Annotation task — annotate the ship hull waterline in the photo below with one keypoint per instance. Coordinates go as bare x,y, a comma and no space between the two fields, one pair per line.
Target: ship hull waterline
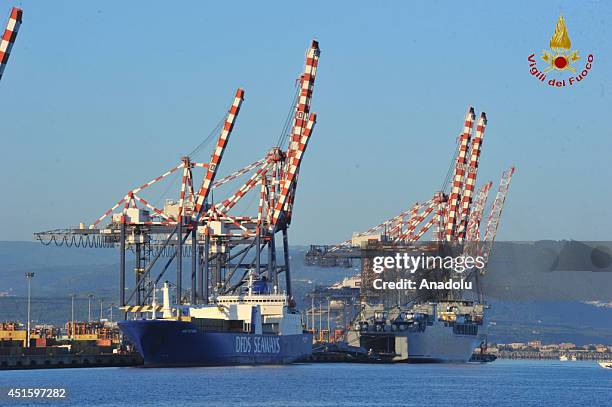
437,344
173,343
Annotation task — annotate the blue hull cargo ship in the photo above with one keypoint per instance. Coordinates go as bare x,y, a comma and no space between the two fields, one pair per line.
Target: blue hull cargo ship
247,329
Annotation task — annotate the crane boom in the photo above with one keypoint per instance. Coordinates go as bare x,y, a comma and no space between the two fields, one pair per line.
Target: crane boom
302,108
8,38
458,175
473,227
217,154
428,207
302,111
496,211
293,165
470,177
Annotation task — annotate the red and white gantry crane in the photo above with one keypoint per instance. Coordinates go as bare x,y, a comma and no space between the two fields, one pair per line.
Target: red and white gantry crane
225,246
454,218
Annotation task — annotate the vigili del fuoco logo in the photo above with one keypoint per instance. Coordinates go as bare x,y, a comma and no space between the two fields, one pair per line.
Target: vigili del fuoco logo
563,66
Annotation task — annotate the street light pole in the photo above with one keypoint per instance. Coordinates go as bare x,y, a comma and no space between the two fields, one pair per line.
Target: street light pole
90,296
72,319
29,276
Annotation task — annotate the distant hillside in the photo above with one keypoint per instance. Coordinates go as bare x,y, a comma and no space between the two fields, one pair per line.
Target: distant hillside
26,255
58,270
61,271
549,321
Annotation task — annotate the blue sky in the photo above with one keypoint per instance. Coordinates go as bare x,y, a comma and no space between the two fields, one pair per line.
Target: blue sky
99,97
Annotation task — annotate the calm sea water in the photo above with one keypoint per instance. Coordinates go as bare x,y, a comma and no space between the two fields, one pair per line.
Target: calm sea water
523,383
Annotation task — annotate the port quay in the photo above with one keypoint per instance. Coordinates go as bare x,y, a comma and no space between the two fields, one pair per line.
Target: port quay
262,204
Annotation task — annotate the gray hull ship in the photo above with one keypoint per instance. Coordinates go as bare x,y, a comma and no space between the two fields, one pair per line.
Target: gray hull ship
436,332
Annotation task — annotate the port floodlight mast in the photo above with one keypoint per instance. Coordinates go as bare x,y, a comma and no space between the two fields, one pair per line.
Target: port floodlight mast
225,246
89,297
72,296
29,276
